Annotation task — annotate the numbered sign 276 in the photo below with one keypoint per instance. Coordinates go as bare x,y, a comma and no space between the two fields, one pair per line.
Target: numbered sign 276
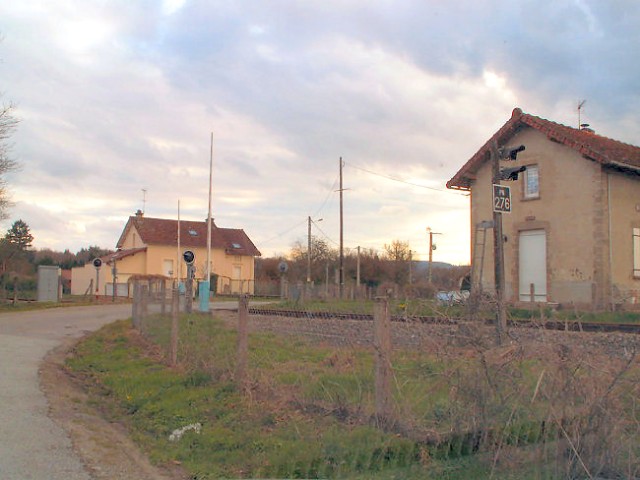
501,199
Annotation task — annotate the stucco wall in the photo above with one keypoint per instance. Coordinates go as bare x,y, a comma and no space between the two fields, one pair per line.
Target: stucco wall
567,209
81,278
625,215
153,263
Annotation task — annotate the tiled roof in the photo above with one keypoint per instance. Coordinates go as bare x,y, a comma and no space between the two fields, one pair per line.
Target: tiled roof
603,150
160,231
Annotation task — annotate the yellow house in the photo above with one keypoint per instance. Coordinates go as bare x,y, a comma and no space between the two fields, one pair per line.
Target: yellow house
154,247
573,233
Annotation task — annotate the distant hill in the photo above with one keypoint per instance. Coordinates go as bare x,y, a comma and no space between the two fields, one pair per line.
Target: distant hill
423,265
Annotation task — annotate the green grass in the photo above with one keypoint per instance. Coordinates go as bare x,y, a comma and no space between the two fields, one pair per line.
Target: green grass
240,437
421,307
308,411
310,423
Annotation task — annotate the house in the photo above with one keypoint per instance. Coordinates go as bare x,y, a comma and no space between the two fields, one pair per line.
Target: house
154,247
573,233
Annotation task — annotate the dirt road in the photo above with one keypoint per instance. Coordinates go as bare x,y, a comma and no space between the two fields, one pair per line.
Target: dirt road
33,442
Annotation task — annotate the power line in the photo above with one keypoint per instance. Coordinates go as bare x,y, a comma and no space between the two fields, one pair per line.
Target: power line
395,179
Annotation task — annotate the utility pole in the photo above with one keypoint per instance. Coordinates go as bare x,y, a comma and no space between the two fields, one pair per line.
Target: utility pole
498,252
432,247
341,277
309,247
308,250
204,288
358,270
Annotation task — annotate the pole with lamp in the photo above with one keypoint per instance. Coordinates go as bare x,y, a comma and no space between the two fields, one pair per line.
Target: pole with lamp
309,221
432,247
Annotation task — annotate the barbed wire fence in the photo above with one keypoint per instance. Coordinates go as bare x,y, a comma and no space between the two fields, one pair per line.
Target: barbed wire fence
549,404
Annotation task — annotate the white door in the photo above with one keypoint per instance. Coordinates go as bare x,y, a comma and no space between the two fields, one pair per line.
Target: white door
237,277
533,265
167,268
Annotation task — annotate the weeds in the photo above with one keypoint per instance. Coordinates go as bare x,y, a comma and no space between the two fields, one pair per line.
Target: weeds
537,407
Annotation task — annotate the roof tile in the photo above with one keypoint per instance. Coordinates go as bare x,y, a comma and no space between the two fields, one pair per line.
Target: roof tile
160,231
603,150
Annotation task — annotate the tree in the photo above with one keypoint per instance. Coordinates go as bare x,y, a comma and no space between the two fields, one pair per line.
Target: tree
8,123
19,235
398,251
321,254
399,254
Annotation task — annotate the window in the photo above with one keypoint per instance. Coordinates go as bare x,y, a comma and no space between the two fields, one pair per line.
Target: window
531,182
636,252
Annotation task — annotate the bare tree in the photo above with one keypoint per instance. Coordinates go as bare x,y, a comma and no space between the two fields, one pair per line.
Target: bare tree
8,123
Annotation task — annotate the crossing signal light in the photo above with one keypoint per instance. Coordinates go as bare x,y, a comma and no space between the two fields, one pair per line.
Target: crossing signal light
511,173
510,153
189,257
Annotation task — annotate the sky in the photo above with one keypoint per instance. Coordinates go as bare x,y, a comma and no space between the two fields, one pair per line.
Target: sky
118,100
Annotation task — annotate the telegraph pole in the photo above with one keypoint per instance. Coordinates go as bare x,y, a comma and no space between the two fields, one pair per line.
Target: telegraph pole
358,270
341,277
308,249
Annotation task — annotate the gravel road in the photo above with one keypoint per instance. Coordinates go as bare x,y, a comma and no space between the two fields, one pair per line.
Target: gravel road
32,446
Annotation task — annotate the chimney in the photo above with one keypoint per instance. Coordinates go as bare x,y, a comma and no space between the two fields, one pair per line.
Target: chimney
139,214
585,128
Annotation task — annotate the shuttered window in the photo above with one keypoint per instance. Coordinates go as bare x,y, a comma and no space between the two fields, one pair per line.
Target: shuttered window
531,182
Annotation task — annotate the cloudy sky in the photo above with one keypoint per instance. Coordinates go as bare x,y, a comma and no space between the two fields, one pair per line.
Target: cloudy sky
117,96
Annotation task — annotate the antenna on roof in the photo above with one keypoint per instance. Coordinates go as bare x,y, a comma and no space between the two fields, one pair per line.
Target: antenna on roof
580,105
144,199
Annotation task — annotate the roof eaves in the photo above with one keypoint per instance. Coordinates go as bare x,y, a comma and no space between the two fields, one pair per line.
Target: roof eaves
462,179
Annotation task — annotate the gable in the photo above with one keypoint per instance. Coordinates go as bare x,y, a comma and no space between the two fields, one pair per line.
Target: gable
603,150
159,231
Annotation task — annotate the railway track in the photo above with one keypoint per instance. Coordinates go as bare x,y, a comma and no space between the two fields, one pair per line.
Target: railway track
568,326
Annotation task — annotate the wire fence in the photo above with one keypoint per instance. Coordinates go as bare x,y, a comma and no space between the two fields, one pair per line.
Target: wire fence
541,404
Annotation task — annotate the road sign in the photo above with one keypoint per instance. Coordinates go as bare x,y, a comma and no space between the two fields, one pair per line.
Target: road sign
501,199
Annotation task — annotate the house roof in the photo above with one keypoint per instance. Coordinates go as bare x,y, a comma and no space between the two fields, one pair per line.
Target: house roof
160,231
603,150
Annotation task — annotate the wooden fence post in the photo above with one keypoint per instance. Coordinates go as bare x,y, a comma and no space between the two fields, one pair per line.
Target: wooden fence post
173,347
243,341
163,297
137,300
144,305
382,345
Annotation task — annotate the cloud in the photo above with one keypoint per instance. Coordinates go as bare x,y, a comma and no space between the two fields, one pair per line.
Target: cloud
121,96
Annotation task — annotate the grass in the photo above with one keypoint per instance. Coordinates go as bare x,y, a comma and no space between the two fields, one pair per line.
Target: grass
308,409
428,308
293,429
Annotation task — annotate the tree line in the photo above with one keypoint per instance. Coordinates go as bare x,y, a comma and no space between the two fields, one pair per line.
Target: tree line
19,261
393,265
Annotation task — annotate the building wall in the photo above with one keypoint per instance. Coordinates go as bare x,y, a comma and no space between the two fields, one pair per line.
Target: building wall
128,266
132,240
84,277
221,265
569,210
224,265
624,199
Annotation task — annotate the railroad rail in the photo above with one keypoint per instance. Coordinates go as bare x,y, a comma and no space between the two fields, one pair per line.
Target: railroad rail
568,326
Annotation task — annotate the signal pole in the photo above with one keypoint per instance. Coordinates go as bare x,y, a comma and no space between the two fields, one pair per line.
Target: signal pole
498,252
